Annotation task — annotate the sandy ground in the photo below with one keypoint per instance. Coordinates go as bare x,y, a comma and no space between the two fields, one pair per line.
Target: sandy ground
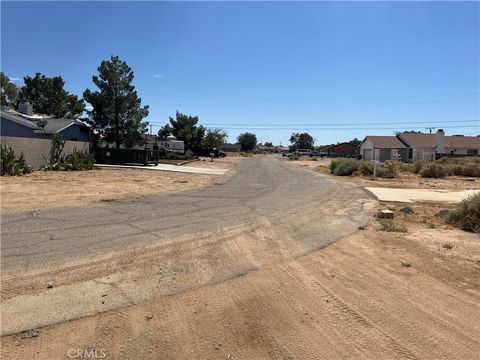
41,189
352,300
355,299
406,180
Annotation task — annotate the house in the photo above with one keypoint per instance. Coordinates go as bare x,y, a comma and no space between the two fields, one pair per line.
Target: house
231,147
383,148
430,146
418,146
339,150
32,135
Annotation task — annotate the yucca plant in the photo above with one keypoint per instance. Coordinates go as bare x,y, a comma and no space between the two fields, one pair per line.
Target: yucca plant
11,164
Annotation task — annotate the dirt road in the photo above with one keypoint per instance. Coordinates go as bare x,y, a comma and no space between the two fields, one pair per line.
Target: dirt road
352,300
257,285
164,245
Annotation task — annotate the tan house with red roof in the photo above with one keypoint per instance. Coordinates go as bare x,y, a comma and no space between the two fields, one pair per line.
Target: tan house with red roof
417,146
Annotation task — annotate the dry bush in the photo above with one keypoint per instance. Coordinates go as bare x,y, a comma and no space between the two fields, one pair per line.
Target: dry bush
447,246
433,170
391,225
418,165
467,214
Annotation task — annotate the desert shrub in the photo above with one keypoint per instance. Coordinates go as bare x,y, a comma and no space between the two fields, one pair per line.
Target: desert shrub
454,169
471,169
11,164
418,165
346,167
79,160
433,170
460,160
387,170
391,225
365,168
384,172
406,167
392,168
333,165
467,214
75,161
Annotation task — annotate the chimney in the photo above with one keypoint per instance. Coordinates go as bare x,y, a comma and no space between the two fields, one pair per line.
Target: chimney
440,142
25,108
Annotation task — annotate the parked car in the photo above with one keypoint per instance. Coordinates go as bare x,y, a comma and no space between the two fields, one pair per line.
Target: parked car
285,153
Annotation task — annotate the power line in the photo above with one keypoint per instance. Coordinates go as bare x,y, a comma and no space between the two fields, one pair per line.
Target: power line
429,122
314,105
308,97
328,128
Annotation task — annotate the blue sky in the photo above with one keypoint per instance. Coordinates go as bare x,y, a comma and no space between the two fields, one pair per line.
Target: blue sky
335,69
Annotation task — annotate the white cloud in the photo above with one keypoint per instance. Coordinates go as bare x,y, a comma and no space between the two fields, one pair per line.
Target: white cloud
15,79
158,76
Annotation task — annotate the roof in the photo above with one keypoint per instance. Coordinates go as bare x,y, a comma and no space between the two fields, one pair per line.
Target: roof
53,125
342,143
323,147
419,140
386,142
57,125
429,141
462,142
19,120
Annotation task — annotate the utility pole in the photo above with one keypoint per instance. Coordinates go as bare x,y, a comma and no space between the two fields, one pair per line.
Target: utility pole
430,129
151,129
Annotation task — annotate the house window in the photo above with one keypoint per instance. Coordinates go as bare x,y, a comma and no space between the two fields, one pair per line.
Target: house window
472,152
410,153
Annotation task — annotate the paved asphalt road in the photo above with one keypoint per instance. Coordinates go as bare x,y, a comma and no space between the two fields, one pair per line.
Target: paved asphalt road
270,211
263,186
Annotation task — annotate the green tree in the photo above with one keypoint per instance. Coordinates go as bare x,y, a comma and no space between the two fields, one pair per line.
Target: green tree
184,127
301,141
9,91
48,96
268,144
117,113
165,132
247,141
215,138
355,142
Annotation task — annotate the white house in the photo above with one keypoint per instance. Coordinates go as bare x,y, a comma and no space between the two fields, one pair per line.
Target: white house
417,146
383,148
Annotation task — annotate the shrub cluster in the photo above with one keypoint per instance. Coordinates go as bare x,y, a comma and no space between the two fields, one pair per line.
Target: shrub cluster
466,166
75,161
347,167
467,214
433,170
344,167
11,164
391,225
